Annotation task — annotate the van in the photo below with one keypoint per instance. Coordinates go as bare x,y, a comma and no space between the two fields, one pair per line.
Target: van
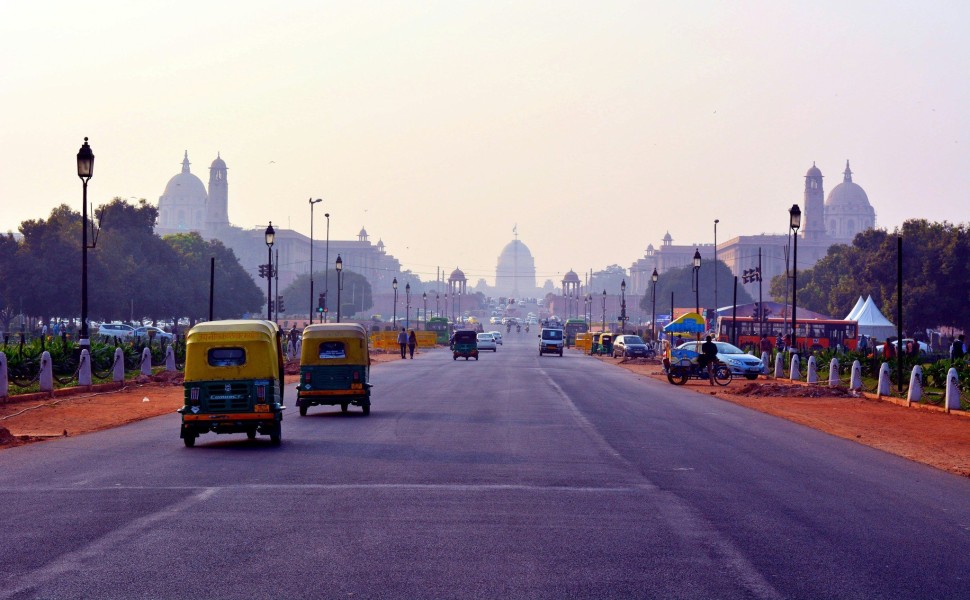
550,341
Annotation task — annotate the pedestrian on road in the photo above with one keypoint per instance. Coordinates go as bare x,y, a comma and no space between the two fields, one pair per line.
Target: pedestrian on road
412,343
402,341
957,349
708,357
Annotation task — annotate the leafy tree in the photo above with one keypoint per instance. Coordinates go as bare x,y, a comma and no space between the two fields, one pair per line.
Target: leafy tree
8,279
680,282
356,296
48,271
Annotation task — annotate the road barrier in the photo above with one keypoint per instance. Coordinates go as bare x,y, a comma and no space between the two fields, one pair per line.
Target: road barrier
386,341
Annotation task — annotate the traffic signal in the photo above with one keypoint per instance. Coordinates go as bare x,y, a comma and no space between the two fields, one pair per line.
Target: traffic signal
321,301
271,306
262,271
279,304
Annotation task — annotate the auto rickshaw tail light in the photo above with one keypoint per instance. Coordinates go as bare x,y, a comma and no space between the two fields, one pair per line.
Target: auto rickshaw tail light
356,375
194,395
307,377
261,393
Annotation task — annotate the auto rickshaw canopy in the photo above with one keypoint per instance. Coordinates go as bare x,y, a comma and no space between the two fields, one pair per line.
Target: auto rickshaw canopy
335,344
258,340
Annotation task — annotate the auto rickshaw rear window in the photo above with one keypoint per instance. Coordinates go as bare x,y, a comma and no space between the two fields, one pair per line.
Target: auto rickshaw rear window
332,350
227,357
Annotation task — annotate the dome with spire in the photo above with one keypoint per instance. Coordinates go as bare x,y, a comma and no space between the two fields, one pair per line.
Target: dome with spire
457,275
218,163
814,171
571,277
185,187
848,196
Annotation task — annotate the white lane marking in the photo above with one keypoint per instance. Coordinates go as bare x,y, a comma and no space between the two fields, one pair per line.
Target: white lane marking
93,552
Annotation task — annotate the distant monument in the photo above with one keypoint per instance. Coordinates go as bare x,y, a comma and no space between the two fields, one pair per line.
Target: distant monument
515,274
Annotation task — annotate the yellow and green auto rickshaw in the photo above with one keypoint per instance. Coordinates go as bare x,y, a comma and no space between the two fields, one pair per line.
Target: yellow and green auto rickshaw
334,367
465,344
233,380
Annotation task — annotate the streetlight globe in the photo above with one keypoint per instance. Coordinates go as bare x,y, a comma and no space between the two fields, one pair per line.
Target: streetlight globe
394,283
85,161
270,234
697,258
340,264
655,276
623,285
407,288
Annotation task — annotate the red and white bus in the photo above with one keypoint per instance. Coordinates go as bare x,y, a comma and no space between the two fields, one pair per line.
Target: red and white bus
814,334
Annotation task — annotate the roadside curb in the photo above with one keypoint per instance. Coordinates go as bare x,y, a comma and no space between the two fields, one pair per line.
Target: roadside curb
66,391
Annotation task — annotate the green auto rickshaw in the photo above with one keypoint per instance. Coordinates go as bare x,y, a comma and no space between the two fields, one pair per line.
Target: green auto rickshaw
334,367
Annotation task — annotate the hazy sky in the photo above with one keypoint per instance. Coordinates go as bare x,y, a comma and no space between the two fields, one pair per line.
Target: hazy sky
594,126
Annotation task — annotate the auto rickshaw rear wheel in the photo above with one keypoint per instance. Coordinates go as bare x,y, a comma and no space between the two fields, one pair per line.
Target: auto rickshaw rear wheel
303,409
276,435
251,434
343,407
366,409
189,440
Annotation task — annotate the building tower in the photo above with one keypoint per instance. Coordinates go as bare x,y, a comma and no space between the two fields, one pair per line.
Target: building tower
217,207
814,204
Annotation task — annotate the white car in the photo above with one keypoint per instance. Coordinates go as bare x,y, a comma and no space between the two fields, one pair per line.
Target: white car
923,348
498,337
116,330
487,342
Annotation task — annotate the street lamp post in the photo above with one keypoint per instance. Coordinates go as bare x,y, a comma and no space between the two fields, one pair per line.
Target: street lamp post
340,284
623,306
326,278
312,202
696,281
437,304
604,312
653,318
407,305
459,305
424,298
716,305
85,170
270,235
795,221
394,285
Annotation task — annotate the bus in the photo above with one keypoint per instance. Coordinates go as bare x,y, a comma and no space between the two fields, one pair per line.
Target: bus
814,334
571,328
441,328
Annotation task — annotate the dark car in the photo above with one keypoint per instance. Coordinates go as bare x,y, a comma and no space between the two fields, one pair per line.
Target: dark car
630,346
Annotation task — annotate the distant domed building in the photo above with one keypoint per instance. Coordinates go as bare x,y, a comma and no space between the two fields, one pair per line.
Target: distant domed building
847,210
515,274
182,207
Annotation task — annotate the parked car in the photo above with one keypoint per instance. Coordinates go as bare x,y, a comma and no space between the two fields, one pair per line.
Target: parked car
487,342
923,348
740,362
159,335
498,337
116,330
630,346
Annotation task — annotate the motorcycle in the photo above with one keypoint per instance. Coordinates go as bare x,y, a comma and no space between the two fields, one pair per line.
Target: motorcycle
679,372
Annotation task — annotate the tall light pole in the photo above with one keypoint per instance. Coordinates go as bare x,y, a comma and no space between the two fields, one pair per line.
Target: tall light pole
340,285
716,305
424,297
326,277
312,202
604,312
696,281
437,304
795,221
407,305
623,306
459,305
270,235
85,170
653,318
394,285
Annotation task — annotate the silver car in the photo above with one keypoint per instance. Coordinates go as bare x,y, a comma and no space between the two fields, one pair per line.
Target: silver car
736,359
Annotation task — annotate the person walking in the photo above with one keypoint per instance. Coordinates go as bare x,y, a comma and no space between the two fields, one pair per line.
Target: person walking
402,341
708,357
765,344
957,349
412,343
888,350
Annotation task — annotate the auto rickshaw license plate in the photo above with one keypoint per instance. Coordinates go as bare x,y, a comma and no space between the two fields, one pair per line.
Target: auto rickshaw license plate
261,408
356,386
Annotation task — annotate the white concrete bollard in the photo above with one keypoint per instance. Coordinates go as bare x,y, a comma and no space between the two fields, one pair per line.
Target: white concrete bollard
952,390
4,383
915,393
884,383
765,362
794,371
779,366
46,372
834,372
84,370
118,371
812,370
170,359
146,362
855,380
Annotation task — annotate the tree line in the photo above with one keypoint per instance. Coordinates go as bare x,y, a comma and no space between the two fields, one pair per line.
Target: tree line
935,275
132,272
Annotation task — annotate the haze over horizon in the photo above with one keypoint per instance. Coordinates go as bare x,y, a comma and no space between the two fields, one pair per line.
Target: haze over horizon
438,126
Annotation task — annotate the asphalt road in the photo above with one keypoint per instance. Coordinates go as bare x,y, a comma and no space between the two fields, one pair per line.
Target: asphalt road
513,476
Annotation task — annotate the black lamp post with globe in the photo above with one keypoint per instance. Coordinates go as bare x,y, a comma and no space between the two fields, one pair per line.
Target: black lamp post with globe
85,170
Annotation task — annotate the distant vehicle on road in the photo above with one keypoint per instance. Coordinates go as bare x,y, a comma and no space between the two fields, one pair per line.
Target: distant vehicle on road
116,330
498,337
631,346
923,347
550,341
486,341
145,333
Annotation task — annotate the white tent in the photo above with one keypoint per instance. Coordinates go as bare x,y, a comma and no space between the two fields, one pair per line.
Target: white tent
872,323
855,309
